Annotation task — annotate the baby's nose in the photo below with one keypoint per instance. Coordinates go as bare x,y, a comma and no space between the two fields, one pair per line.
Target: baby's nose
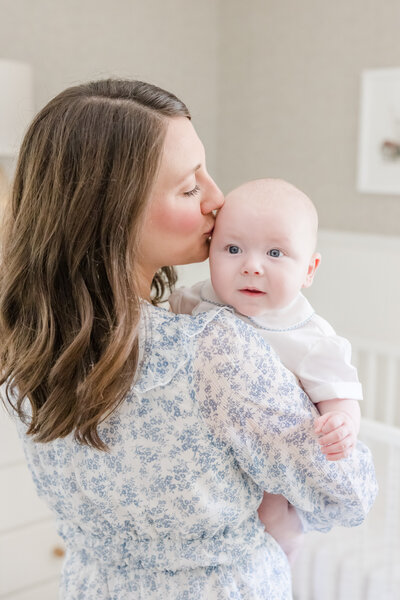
252,268
252,272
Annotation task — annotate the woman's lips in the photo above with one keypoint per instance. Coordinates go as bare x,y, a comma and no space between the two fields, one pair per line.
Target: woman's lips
252,292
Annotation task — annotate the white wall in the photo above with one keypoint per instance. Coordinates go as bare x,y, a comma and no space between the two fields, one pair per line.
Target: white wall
357,286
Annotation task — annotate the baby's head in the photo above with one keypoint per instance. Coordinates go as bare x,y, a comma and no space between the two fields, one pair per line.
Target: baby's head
263,246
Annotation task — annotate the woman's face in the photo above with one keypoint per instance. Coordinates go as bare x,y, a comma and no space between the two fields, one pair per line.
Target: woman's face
179,218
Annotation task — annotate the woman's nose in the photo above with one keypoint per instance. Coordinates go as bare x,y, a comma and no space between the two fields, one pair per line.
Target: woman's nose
213,199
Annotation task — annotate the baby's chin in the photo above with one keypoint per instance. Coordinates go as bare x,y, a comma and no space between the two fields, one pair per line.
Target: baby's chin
248,309
251,312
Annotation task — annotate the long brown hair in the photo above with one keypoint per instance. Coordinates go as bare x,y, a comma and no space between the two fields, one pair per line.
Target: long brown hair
69,302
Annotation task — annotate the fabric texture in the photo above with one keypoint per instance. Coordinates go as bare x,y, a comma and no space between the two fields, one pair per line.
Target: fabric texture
170,511
305,342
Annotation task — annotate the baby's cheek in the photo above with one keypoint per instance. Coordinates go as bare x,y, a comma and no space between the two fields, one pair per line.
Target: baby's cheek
221,277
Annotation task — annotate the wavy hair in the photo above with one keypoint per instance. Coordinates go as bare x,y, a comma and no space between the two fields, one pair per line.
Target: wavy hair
69,300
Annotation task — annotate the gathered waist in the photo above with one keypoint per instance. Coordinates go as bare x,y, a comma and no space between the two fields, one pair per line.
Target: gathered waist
170,552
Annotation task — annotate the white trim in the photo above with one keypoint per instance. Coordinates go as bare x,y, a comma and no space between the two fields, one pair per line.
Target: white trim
359,241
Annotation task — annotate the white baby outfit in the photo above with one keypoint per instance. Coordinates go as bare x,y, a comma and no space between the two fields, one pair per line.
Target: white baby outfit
305,342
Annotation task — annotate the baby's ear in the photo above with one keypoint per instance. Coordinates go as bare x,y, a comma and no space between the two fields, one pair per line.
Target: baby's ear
312,267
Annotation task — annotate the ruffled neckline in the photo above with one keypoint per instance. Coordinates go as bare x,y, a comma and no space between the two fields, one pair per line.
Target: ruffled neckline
165,344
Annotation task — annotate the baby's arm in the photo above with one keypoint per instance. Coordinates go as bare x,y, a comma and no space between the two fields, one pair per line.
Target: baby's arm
331,381
282,522
337,427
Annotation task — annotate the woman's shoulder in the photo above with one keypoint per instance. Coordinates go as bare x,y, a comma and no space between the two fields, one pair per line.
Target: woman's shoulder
168,341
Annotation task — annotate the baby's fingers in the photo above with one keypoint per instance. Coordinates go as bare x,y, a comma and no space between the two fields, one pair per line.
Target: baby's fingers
338,455
340,450
335,446
328,422
334,437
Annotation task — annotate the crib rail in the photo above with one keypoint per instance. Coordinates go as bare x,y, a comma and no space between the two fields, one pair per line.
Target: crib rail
360,563
378,365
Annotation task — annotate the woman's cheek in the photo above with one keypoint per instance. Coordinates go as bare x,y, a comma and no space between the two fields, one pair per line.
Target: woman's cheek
167,222
184,222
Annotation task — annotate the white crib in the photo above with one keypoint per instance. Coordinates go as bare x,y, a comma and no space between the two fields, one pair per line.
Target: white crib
363,563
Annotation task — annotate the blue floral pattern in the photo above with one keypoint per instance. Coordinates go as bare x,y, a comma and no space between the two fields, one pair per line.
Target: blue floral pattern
211,421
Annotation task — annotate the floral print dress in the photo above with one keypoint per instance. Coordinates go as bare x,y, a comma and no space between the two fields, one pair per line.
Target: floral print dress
170,512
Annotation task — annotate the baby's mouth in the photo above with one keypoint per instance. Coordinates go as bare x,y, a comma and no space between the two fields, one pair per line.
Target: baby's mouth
252,292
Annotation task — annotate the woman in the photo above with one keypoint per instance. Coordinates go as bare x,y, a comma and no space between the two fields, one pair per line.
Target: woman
146,432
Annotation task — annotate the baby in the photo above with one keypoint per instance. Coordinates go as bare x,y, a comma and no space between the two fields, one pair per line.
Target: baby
262,254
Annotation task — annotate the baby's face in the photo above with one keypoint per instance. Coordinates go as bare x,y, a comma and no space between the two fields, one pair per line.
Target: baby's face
261,252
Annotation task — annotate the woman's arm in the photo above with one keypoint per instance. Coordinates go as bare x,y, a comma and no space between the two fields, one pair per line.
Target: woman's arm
253,405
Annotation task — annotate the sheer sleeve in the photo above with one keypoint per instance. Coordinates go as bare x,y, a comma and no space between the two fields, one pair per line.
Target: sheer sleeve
253,406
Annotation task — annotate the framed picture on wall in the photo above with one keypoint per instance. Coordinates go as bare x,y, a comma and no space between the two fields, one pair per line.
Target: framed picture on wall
379,137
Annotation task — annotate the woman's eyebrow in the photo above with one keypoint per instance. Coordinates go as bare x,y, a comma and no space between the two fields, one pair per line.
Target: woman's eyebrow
196,168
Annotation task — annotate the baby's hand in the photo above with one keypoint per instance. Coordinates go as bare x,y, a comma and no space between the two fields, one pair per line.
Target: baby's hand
337,434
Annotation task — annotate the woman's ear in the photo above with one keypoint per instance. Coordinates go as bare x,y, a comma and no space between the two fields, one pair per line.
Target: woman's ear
312,267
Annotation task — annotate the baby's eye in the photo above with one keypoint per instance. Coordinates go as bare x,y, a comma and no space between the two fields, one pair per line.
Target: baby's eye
275,253
234,250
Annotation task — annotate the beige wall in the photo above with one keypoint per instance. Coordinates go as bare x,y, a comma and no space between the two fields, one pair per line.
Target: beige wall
273,85
289,99
170,43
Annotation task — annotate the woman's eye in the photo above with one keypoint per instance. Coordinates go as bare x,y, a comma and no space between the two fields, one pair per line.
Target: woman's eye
275,253
234,250
192,192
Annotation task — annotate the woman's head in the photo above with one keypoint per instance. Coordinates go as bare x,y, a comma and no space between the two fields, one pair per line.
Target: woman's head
86,168
69,299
